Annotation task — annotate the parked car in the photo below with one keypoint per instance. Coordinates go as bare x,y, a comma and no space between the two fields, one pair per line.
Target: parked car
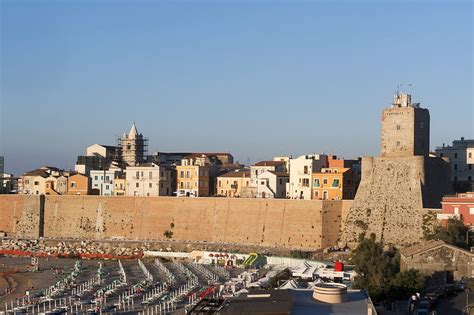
460,286
441,291
425,304
433,297
184,193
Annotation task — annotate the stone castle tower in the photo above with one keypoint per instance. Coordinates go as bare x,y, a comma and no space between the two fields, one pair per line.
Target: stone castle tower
397,187
133,147
405,129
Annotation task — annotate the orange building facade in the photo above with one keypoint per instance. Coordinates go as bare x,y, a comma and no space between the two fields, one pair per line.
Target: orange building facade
334,183
79,184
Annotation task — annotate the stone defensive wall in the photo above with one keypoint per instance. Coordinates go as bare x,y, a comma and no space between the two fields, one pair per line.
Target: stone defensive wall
393,198
281,223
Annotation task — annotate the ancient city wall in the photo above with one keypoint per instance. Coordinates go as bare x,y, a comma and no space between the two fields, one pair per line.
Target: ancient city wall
303,224
21,215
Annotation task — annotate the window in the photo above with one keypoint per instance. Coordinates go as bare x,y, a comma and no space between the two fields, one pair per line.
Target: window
325,181
107,177
455,155
469,178
36,183
188,174
150,185
316,193
141,174
281,181
335,182
106,187
398,127
306,169
316,182
161,185
398,143
305,182
73,184
455,166
471,210
150,175
220,184
456,210
469,166
325,194
137,185
470,155
195,183
181,174
422,124
96,177
188,185
137,174
181,185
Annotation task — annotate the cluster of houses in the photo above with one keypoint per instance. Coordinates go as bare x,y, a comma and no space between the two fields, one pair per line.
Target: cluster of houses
125,170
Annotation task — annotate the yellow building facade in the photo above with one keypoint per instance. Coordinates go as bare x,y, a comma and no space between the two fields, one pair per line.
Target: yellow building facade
231,184
192,178
120,185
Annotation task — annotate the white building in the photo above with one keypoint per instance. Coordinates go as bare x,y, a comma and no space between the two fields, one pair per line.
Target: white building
98,157
103,182
461,157
272,184
301,169
264,166
150,180
43,181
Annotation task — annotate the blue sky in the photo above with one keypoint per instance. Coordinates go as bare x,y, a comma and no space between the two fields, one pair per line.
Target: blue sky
256,78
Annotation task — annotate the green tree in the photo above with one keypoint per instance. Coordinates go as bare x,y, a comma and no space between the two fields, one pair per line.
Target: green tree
455,233
375,268
406,283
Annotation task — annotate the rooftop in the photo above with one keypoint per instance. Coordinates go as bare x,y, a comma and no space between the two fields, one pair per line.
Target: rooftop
234,174
270,163
298,301
418,248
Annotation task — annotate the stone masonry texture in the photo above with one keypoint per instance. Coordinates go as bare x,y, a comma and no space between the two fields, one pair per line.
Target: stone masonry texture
295,224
